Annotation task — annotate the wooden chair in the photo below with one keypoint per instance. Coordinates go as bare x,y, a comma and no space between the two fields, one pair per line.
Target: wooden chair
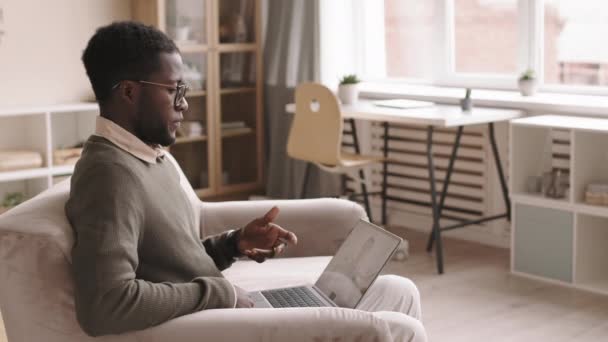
316,137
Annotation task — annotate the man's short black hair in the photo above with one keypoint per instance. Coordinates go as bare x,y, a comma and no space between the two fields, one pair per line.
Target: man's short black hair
123,51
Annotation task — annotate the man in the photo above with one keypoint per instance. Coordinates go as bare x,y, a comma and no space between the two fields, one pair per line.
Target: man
137,257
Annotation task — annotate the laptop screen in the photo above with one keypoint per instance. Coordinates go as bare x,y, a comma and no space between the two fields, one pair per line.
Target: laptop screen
357,264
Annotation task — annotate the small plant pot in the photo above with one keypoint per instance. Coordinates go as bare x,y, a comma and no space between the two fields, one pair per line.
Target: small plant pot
527,87
348,93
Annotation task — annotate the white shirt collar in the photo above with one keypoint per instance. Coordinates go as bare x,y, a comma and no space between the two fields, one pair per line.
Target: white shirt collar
125,140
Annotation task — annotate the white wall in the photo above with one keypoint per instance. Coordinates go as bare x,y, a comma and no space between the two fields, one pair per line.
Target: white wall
42,45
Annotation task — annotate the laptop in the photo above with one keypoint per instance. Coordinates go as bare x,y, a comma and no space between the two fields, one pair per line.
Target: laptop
346,278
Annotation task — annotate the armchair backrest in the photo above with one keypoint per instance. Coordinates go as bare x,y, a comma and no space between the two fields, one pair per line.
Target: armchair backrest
36,286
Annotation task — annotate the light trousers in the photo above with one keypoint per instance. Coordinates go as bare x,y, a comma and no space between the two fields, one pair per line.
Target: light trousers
396,300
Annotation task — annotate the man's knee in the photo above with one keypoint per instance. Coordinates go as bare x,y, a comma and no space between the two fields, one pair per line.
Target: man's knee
391,282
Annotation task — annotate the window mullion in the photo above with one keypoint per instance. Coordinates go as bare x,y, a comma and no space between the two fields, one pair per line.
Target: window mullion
444,44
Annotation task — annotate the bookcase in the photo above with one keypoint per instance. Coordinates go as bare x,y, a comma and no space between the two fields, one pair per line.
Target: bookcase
563,240
46,131
221,141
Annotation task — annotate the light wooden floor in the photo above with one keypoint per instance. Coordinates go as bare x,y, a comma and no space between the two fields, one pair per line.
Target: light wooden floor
478,300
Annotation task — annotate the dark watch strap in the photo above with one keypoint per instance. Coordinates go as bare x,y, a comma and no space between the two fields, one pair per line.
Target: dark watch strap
233,242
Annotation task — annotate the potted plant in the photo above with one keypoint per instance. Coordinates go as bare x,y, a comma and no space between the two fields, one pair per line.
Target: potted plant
527,83
348,90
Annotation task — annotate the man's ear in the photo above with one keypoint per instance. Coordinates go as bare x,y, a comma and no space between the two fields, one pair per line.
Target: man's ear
128,91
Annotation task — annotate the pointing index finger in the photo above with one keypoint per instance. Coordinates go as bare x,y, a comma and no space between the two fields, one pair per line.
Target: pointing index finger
271,215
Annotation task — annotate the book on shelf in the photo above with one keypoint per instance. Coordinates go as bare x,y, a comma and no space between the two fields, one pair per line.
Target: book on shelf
233,125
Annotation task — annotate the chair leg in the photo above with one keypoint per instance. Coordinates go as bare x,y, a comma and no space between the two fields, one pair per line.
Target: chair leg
365,195
305,182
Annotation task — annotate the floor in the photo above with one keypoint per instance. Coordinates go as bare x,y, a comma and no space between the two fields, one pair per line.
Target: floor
478,300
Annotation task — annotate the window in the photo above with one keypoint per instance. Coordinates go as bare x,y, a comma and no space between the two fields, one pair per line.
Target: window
485,36
489,43
575,48
409,38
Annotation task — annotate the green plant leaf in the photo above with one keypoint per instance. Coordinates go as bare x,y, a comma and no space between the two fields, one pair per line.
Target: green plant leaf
350,79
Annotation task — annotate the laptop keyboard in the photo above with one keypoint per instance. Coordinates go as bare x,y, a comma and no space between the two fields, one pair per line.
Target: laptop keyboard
292,297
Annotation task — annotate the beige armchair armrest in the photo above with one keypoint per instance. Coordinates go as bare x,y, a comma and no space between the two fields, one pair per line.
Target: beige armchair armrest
320,224
269,325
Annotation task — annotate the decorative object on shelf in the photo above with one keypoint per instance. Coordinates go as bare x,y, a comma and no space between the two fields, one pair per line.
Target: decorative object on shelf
191,129
534,185
233,124
466,104
348,90
233,29
18,160
182,29
12,199
235,128
527,83
555,184
67,156
597,193
193,76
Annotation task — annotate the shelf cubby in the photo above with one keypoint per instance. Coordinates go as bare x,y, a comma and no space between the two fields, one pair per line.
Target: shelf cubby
592,252
591,160
537,150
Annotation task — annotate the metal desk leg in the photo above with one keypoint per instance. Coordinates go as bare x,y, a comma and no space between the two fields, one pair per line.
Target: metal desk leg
361,173
446,182
434,204
384,171
501,175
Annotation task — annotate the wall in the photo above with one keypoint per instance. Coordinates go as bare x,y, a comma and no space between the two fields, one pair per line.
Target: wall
42,45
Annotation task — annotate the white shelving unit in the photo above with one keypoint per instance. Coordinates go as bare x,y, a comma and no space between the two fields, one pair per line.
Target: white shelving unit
560,240
42,129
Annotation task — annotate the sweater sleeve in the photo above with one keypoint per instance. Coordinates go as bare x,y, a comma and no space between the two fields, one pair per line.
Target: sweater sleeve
106,211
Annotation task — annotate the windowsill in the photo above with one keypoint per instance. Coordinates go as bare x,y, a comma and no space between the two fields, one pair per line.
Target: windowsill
554,103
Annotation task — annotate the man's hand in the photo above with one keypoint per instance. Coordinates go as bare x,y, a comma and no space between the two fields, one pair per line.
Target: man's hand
262,239
242,298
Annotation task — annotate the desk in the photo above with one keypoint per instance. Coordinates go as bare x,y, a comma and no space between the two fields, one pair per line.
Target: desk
431,117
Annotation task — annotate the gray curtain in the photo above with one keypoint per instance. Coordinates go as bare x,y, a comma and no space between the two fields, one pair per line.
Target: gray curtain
290,57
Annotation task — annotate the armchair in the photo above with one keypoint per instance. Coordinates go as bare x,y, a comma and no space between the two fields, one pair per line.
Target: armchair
36,289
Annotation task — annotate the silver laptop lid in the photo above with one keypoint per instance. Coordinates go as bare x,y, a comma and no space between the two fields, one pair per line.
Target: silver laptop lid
357,264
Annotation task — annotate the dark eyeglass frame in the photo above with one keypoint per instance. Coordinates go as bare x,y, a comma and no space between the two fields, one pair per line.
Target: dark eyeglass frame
180,90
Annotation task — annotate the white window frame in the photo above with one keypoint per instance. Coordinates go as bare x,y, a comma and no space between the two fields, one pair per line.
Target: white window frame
447,76
530,54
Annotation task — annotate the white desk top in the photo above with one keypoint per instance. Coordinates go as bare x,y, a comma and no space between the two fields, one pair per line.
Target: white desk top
566,122
437,115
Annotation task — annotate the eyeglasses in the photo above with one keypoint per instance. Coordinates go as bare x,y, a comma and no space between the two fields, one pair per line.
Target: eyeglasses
180,90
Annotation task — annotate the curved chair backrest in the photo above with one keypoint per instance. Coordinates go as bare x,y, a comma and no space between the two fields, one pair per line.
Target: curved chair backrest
316,131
